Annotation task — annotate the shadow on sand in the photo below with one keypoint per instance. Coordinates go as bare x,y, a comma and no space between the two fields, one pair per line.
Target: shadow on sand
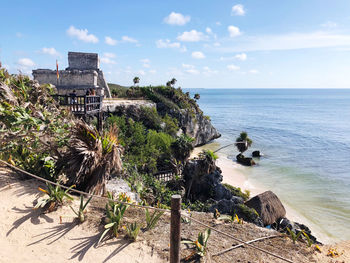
87,243
31,214
55,233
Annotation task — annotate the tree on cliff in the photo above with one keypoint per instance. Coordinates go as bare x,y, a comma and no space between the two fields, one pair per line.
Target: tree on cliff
173,81
197,96
136,80
243,142
168,84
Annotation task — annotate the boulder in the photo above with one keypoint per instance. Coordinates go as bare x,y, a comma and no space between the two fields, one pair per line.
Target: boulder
268,206
256,154
245,160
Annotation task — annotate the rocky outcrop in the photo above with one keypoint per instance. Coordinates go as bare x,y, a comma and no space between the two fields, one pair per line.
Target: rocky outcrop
245,160
197,126
268,206
203,182
256,154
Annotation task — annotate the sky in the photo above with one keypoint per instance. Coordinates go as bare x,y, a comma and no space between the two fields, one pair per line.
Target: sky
201,43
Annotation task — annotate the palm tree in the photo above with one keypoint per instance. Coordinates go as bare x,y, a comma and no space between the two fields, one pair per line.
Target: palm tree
173,81
91,158
197,96
136,80
243,142
168,84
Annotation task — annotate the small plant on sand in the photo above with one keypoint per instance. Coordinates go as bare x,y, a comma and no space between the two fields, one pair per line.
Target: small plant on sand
152,220
233,218
200,245
82,209
132,230
115,213
55,197
187,220
293,235
308,239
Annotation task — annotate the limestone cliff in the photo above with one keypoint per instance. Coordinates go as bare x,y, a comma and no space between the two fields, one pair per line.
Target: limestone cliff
193,124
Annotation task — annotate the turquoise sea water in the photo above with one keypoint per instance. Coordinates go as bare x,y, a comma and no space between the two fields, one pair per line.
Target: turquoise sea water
305,136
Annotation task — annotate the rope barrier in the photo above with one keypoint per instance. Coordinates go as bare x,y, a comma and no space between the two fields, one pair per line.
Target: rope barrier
238,240
81,192
146,207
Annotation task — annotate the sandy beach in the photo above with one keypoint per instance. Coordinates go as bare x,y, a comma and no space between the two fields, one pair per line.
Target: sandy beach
233,174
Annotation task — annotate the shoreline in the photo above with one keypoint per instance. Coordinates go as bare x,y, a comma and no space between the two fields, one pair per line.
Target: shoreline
234,175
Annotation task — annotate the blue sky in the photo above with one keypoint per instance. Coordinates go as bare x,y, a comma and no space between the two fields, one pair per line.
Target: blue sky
202,43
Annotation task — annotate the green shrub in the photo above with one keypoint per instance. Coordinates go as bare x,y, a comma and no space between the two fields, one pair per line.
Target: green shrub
208,154
236,191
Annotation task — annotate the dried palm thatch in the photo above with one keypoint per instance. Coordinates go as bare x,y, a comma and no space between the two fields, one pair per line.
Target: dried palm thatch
268,206
91,158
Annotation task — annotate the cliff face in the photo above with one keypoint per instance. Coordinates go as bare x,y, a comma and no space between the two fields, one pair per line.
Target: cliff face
198,126
193,124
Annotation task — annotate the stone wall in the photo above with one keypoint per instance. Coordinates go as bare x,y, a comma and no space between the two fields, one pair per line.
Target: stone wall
82,74
79,60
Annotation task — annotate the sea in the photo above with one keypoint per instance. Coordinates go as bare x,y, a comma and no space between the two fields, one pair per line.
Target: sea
304,135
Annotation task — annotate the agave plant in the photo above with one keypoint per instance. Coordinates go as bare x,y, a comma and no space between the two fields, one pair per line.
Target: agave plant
91,158
55,197
133,230
200,245
293,235
115,213
152,219
81,212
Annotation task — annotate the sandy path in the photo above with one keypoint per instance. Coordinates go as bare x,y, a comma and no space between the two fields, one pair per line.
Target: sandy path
28,236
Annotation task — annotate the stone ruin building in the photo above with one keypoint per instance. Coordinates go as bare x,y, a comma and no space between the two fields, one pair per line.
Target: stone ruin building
82,74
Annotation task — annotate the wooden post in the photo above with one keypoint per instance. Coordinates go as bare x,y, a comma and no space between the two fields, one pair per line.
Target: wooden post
175,229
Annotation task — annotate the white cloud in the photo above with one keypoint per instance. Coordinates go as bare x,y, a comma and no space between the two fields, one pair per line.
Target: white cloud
109,55
50,51
330,24
242,56
152,71
218,23
238,10
82,34
208,30
145,60
232,67
289,41
142,72
191,36
107,60
192,71
198,55
110,41
216,44
26,62
234,31
187,66
166,43
254,71
128,39
208,71
177,19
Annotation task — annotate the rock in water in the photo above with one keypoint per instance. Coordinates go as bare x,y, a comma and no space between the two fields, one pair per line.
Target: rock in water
256,154
245,160
268,206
